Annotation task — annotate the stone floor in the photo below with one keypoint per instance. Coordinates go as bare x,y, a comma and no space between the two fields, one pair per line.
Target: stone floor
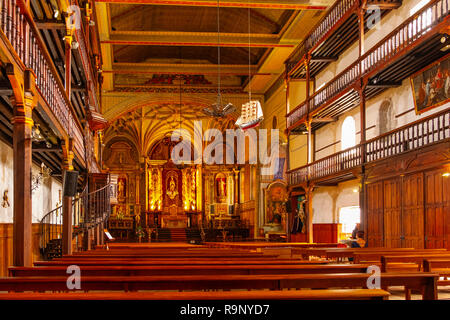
397,293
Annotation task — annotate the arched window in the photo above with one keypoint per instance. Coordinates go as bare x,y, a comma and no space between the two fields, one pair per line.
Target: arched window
348,133
386,116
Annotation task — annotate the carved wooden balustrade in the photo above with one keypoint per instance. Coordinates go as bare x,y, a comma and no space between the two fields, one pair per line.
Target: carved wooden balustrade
416,135
404,38
87,67
18,26
338,11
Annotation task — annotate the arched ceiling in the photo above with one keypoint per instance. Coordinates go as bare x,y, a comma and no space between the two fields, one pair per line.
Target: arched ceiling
146,124
158,53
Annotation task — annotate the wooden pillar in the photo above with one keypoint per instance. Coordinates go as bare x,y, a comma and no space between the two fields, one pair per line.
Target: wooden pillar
288,161
87,241
362,184
308,105
67,165
24,99
361,13
68,61
309,216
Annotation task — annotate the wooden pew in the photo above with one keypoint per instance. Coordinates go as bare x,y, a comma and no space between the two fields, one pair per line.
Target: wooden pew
340,253
167,262
407,262
425,282
167,256
188,270
342,294
440,266
375,257
259,245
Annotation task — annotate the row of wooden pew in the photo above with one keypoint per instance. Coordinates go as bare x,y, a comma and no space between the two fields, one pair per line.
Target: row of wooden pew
198,272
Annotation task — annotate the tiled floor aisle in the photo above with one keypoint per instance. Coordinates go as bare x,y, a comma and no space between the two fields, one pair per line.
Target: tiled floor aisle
397,293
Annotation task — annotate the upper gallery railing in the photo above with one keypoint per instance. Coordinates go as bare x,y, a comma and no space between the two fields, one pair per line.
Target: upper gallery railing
85,61
395,44
338,11
413,136
18,26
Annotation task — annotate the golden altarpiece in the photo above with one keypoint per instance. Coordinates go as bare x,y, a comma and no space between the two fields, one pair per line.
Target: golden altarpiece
154,192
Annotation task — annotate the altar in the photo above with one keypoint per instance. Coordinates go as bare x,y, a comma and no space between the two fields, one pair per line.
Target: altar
169,221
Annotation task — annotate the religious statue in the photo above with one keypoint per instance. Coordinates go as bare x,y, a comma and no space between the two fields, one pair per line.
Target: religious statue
222,185
171,190
121,189
299,225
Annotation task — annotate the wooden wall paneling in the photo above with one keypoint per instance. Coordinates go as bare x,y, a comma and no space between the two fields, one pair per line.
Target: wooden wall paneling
375,212
6,246
437,210
325,232
413,211
392,213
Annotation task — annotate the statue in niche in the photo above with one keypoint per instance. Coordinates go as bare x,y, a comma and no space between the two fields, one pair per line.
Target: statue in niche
171,190
121,188
299,225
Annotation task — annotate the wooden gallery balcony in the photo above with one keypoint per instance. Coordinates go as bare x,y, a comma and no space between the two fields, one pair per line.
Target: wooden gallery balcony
27,49
335,33
410,47
346,164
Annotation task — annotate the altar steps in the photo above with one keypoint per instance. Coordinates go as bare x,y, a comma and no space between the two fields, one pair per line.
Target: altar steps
178,235
193,235
164,235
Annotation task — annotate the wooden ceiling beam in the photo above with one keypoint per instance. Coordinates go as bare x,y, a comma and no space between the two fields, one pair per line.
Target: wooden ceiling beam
260,4
177,68
50,24
208,39
324,119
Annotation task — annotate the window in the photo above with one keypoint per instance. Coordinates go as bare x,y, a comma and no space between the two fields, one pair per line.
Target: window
348,133
348,218
418,6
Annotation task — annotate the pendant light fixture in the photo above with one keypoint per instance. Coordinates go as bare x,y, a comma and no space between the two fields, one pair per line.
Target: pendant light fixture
218,109
251,112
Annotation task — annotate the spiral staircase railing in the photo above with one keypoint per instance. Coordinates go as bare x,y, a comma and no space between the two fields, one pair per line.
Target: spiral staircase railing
89,209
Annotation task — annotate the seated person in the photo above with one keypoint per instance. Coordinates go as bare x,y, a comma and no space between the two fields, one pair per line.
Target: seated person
360,242
355,231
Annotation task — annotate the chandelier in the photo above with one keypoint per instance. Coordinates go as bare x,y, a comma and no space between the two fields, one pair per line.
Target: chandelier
218,109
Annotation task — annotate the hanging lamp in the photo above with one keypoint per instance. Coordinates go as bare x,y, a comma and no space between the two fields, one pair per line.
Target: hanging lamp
217,109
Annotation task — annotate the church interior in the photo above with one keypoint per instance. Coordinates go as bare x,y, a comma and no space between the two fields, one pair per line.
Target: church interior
237,149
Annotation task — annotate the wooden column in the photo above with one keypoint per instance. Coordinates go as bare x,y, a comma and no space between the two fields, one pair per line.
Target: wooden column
68,61
361,13
309,216
309,117
87,240
67,165
24,99
286,85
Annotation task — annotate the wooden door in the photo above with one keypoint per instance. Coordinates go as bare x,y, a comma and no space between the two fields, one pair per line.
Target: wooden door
392,213
374,223
412,211
437,210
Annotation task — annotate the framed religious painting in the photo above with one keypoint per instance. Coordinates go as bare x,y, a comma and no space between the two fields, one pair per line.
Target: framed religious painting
431,86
